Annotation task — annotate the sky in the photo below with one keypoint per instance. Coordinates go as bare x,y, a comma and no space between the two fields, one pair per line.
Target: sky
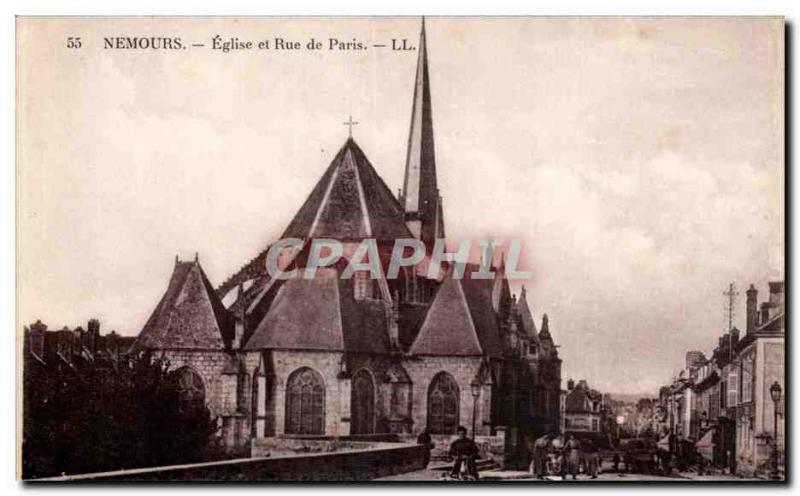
639,161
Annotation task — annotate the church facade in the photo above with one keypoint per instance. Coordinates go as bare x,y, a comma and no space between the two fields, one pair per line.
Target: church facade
360,355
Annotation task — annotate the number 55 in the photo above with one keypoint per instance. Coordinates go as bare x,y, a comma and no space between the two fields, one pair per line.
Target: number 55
74,42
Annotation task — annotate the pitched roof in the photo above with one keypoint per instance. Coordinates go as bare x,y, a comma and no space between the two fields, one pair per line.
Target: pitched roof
525,315
577,400
322,314
350,201
304,315
460,322
189,315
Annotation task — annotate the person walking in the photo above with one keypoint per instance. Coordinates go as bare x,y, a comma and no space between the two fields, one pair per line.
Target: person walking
539,461
573,448
592,461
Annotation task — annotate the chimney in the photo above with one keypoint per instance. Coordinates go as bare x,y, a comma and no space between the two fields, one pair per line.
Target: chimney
37,333
734,337
570,385
776,296
694,358
93,327
752,309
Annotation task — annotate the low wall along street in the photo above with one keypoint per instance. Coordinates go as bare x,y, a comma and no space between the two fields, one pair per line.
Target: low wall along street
360,464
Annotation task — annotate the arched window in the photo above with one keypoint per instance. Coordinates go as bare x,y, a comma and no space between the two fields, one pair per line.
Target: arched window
190,388
362,404
443,404
305,403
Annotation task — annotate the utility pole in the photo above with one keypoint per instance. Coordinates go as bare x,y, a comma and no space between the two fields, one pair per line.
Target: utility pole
731,293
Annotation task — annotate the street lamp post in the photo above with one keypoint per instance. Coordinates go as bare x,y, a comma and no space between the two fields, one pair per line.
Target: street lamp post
775,393
475,389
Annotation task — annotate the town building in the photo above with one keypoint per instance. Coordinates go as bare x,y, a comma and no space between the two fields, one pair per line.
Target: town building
334,356
58,366
586,415
757,366
721,407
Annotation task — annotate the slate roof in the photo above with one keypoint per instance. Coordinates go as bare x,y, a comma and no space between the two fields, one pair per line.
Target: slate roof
460,321
322,314
420,192
525,315
350,202
577,400
189,315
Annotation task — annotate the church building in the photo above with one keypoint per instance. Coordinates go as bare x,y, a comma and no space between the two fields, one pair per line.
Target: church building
333,356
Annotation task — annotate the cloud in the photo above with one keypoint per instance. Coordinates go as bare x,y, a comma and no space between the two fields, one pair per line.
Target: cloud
639,160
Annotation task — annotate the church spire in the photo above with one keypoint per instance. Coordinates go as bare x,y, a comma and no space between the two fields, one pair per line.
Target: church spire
421,201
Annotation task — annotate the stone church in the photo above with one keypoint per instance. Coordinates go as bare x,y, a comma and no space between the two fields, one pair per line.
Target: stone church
343,357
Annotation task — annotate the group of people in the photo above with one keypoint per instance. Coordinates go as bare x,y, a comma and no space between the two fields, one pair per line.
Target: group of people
552,456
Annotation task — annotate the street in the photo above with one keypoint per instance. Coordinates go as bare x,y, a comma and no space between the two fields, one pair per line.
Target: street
522,476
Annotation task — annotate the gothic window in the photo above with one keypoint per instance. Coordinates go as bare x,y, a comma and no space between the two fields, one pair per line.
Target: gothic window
443,404
241,383
190,388
254,401
362,404
305,403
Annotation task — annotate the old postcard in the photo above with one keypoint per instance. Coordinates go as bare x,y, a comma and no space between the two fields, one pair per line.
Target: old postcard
401,249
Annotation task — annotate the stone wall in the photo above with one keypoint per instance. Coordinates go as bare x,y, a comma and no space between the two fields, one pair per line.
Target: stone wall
337,391
356,465
222,391
208,365
463,369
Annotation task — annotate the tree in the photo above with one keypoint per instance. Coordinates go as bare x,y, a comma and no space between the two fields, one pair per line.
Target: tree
108,414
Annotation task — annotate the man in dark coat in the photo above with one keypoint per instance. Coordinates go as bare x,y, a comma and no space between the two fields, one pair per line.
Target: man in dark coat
464,450
425,439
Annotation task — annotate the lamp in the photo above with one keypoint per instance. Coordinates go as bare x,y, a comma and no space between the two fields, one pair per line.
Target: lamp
475,388
343,374
775,393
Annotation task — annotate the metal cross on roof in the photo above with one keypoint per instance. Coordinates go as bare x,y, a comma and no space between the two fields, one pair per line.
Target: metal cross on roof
350,123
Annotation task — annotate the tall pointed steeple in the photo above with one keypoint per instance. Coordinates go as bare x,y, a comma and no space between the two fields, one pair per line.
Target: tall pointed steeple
420,198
